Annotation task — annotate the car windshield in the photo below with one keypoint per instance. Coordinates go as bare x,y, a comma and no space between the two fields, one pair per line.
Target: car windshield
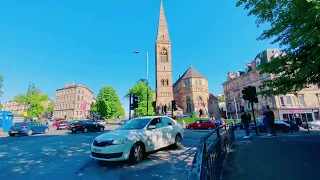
135,124
20,124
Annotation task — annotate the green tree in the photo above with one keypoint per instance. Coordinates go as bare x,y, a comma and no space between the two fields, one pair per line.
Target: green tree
221,99
1,83
108,104
35,100
0,106
140,90
294,25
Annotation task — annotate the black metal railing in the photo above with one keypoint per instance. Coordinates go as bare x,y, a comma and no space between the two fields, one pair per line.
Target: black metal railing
211,153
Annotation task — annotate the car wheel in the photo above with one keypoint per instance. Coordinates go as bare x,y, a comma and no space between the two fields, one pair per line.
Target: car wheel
178,141
101,129
209,128
85,130
46,130
73,131
11,135
192,128
30,132
58,129
136,153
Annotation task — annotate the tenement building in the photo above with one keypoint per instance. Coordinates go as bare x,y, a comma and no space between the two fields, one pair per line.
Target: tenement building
300,106
190,91
73,102
18,108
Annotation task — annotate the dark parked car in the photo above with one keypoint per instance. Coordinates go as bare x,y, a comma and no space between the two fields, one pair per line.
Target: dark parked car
294,126
28,128
123,122
279,125
85,126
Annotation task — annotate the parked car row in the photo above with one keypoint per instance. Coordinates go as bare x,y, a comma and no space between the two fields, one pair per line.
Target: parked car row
28,128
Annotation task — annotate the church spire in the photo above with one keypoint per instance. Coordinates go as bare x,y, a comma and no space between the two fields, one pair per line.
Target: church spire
163,33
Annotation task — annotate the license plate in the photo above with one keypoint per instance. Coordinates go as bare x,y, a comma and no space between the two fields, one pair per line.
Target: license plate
96,150
72,126
14,131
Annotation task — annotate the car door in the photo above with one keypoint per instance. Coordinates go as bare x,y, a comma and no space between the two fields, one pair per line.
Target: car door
155,134
34,127
41,127
168,131
91,126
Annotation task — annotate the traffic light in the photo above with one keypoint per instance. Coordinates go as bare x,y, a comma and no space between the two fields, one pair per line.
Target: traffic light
135,102
245,93
174,106
250,94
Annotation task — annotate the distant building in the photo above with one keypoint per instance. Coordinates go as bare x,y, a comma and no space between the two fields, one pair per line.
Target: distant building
301,106
73,102
14,107
17,108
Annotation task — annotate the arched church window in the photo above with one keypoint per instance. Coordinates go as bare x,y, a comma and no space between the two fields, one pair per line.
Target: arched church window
200,82
189,104
162,82
167,82
164,55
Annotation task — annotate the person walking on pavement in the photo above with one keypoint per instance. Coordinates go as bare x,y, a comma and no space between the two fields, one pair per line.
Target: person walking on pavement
270,121
265,121
245,122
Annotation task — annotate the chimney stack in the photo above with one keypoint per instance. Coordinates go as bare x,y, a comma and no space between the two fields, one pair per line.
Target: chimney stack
66,85
72,84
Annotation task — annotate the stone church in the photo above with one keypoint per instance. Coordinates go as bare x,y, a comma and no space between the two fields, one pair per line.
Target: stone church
190,91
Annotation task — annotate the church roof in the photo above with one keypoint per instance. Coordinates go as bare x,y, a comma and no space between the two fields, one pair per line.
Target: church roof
190,73
163,32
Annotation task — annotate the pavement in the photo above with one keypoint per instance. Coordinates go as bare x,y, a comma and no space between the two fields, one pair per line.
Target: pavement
63,155
291,156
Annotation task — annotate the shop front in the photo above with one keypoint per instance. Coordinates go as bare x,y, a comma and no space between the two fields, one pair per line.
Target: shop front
299,115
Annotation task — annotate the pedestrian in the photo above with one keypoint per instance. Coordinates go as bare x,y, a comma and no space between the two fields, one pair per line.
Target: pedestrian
265,121
245,122
270,121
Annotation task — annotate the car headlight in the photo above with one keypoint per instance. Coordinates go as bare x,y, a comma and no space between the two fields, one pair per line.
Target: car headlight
119,142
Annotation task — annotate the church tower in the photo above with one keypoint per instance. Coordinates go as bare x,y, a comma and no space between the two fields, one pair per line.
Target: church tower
164,91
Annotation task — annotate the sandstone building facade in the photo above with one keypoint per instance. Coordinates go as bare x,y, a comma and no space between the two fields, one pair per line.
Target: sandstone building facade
301,106
73,102
190,91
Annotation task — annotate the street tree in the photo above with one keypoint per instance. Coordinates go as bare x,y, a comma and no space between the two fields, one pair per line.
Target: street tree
49,109
108,104
34,101
140,90
221,99
1,83
295,26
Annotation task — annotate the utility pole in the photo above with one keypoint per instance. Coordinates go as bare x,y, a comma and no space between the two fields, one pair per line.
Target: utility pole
147,78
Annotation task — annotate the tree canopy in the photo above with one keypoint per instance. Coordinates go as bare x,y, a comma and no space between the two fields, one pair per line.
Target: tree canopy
35,100
295,26
108,104
140,90
221,99
1,83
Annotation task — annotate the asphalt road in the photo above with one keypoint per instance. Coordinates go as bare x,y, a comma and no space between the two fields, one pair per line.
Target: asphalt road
62,155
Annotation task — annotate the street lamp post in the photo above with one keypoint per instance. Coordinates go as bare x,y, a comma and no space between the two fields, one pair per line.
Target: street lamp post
147,78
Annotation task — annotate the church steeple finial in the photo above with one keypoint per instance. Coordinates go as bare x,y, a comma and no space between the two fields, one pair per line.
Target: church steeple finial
163,32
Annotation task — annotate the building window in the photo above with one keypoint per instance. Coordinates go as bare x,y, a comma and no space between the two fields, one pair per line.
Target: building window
79,91
164,55
282,101
167,82
80,113
82,91
238,94
189,105
200,82
82,98
189,82
77,113
289,100
196,82
77,105
162,82
185,83
78,97
301,100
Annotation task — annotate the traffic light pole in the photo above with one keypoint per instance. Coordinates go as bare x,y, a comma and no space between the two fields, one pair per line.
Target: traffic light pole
172,109
254,119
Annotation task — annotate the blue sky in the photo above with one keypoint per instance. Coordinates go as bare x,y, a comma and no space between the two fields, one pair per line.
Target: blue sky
51,43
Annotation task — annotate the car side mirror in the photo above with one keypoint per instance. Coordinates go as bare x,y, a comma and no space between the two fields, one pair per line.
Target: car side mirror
151,127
